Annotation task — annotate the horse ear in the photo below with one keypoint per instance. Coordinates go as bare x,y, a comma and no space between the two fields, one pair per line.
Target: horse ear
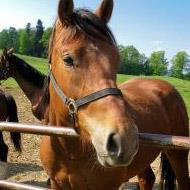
65,11
105,10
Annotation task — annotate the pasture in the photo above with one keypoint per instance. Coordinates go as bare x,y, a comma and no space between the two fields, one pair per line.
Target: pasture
27,167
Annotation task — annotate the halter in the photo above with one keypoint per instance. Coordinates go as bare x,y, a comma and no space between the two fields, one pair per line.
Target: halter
74,105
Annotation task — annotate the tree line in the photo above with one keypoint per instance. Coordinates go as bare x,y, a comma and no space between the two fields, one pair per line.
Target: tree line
34,41
135,63
28,41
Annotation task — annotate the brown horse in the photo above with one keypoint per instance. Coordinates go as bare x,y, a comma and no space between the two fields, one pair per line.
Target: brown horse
82,46
23,73
8,111
29,79
84,60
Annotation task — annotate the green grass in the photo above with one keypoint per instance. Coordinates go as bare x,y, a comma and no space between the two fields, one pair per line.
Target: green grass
42,65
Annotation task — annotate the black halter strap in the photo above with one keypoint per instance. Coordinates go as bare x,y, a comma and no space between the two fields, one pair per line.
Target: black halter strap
74,105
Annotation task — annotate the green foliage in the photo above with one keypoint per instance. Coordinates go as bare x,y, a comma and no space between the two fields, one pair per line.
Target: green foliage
25,43
8,38
45,40
28,41
158,63
38,48
180,65
132,62
4,37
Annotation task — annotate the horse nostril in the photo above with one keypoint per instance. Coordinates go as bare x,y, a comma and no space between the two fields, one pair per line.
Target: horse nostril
114,144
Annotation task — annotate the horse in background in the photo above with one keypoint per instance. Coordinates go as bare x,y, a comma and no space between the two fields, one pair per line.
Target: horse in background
81,47
8,112
29,79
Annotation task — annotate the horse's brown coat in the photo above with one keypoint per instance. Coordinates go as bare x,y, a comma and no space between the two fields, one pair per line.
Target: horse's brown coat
153,105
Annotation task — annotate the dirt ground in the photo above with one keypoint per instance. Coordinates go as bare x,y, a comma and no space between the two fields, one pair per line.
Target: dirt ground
26,167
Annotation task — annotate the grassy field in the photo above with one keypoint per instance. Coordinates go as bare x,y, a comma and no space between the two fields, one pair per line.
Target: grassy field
42,64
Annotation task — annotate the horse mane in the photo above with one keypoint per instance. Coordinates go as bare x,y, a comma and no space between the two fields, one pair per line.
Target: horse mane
85,21
28,72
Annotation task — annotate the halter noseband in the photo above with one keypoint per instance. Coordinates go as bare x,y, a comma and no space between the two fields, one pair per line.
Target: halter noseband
74,105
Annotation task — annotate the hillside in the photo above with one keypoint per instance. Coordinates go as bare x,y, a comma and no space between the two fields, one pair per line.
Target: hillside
42,64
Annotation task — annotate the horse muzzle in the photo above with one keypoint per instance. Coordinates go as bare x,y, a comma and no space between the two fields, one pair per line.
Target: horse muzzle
118,149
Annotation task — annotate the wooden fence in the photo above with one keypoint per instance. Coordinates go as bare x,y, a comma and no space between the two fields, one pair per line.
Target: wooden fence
146,139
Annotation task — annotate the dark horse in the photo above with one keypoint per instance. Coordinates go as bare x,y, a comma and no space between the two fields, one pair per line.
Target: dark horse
8,112
84,60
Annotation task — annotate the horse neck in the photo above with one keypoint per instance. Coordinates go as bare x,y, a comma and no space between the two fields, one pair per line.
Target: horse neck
28,78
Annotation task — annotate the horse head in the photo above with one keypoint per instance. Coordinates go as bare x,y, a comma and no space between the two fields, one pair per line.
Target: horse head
84,62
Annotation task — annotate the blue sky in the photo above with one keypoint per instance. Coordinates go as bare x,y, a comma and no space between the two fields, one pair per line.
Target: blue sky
149,25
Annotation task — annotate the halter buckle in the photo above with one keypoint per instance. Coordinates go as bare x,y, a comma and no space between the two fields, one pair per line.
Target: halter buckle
71,106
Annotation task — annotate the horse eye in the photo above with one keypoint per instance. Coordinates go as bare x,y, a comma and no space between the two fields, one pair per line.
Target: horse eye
68,61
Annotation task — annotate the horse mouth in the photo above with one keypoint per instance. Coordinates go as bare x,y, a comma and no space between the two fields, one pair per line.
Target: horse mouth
108,161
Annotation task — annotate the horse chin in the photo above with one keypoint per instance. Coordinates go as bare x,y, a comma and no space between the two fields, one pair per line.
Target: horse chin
110,162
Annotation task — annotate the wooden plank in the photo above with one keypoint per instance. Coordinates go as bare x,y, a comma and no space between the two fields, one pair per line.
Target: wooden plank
165,141
37,129
4,184
146,139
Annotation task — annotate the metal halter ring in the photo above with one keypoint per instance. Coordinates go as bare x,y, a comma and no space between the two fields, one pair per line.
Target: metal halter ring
71,105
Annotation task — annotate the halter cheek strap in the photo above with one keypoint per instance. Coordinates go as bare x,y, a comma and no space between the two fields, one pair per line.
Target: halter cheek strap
74,105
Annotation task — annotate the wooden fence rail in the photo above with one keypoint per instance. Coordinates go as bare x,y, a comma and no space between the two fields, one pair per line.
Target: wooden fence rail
5,184
146,139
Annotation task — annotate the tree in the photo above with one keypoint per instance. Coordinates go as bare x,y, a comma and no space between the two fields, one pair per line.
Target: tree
38,48
130,60
26,40
144,61
180,65
28,28
158,63
8,38
24,43
4,39
45,40
12,42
